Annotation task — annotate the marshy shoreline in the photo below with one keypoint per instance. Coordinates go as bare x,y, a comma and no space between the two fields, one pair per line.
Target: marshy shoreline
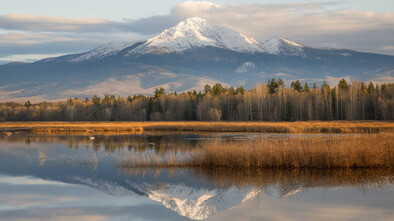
368,144
193,126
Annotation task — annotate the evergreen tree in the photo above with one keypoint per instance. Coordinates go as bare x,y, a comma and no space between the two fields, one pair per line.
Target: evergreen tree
325,85
371,88
363,88
281,83
272,86
383,89
240,90
217,89
96,99
207,89
231,91
297,86
129,99
159,92
288,112
306,87
343,85
27,104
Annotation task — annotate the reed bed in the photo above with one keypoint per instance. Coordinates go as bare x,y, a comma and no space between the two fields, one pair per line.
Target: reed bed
355,151
151,159
311,177
182,126
306,177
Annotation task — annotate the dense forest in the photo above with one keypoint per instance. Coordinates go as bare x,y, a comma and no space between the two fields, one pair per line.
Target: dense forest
273,101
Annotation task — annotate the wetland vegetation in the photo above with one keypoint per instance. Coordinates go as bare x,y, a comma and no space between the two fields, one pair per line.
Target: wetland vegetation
354,151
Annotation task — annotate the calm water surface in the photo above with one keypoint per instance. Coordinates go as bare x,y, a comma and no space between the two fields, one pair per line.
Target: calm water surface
71,177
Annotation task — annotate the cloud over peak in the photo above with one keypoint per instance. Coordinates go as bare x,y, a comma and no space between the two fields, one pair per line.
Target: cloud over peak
29,22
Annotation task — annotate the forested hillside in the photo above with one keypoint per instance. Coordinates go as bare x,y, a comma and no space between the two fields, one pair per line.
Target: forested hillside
273,101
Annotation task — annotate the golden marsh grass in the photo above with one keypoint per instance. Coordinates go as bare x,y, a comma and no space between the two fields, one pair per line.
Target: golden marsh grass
306,177
354,151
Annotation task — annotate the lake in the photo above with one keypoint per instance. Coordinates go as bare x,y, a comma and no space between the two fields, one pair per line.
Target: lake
65,177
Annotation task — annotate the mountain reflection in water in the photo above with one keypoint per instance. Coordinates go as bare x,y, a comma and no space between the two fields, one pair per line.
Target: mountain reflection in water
190,193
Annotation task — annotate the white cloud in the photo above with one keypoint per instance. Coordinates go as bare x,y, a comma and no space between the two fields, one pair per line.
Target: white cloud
298,19
27,38
48,23
26,180
388,48
310,23
383,79
333,81
27,57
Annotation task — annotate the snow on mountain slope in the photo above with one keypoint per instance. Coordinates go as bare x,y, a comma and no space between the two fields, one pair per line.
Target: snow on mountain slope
110,188
247,66
197,32
200,203
282,46
103,51
197,204
280,190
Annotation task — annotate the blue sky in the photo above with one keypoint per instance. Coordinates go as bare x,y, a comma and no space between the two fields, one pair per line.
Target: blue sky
30,30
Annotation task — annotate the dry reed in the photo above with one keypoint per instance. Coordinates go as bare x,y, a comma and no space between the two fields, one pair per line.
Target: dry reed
310,177
307,177
355,151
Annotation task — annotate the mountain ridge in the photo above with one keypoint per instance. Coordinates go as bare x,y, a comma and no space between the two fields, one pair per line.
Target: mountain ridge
192,33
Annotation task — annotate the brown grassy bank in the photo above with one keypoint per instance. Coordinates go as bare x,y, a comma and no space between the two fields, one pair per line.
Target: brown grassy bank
356,151
258,127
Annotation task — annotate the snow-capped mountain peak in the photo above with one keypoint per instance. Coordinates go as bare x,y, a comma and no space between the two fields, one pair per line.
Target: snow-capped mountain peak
196,203
198,32
191,33
286,41
282,46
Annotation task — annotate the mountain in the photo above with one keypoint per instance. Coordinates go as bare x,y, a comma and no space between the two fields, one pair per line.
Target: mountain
186,57
198,203
201,203
282,46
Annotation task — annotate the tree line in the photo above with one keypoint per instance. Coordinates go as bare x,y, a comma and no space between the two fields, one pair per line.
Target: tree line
273,101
